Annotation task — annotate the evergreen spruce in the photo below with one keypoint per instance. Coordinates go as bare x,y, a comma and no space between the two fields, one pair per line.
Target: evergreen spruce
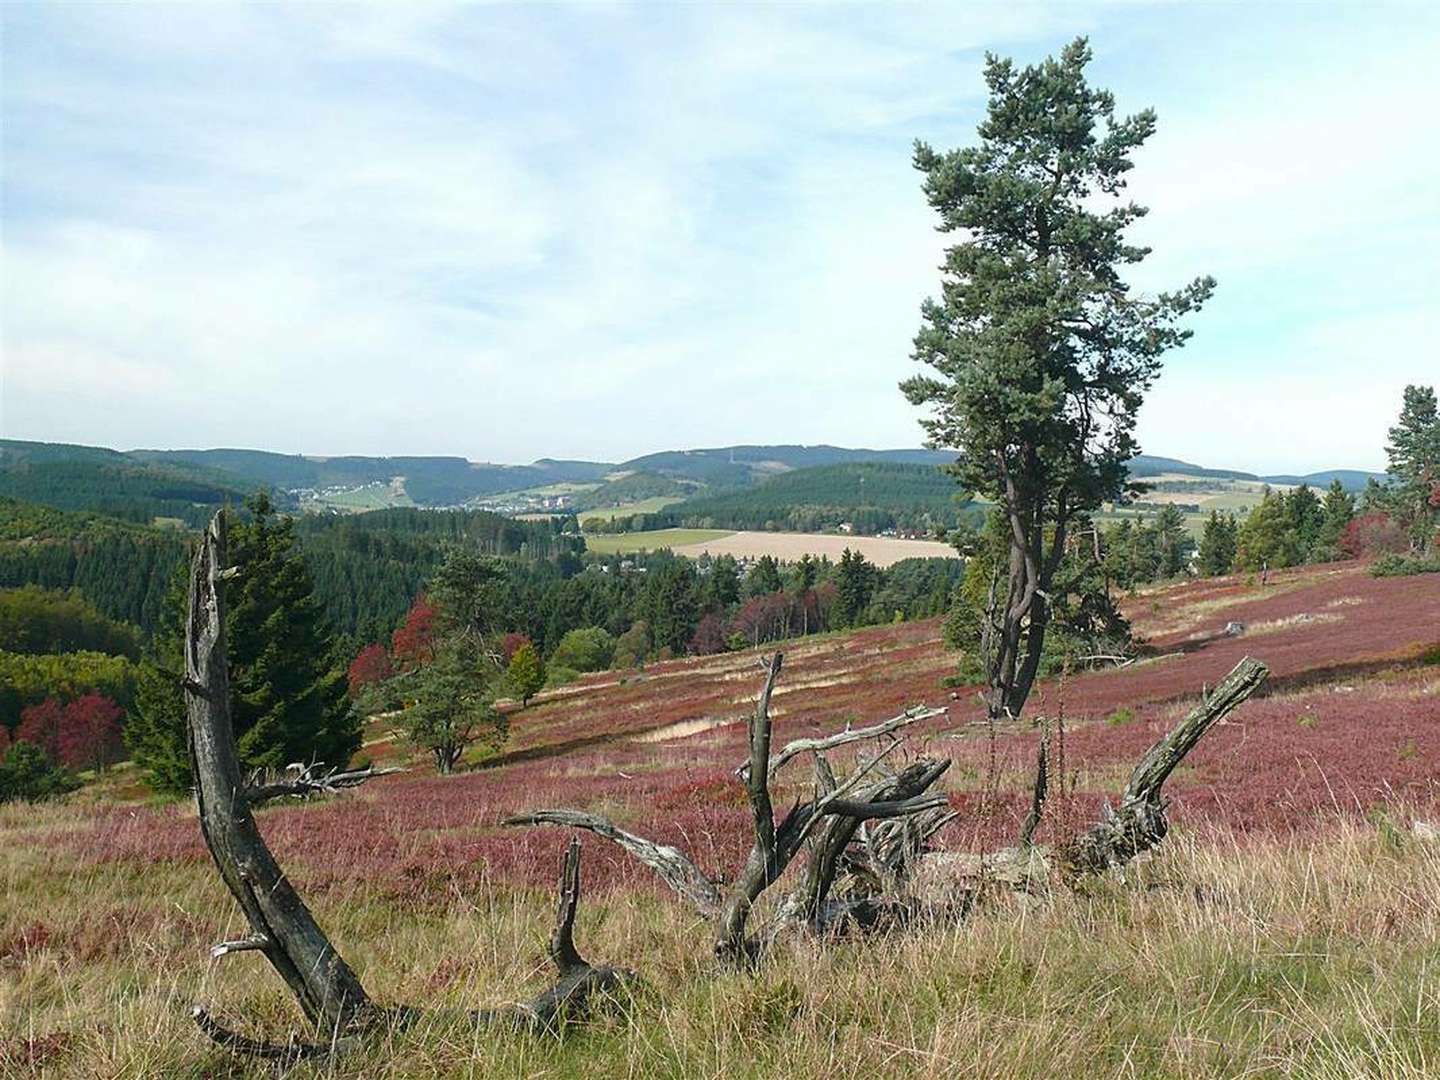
288,693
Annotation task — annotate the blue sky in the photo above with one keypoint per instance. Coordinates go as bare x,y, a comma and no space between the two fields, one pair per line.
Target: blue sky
514,231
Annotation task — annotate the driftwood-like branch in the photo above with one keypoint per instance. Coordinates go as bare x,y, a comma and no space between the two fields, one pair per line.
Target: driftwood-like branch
308,780
841,738
578,982
282,928
674,867
328,991
809,903
1139,823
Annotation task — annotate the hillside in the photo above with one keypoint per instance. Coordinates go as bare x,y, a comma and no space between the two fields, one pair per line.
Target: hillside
367,568
868,497
1291,845
187,485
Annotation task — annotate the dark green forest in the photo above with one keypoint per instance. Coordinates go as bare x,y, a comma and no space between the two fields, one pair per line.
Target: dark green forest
870,496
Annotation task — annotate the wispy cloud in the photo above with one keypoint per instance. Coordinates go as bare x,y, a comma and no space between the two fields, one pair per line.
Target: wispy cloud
596,231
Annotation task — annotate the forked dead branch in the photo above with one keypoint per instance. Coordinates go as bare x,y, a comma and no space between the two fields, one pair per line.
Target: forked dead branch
829,818
282,928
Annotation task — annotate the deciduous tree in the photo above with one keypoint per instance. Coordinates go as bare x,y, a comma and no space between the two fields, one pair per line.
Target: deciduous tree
525,673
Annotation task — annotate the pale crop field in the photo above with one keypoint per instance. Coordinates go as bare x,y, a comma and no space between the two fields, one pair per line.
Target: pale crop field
880,550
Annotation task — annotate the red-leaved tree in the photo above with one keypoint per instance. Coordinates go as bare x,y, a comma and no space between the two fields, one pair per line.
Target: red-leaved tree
90,733
709,636
41,724
414,643
370,666
1373,534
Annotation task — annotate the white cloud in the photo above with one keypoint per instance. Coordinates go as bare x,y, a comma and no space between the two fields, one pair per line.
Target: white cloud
510,232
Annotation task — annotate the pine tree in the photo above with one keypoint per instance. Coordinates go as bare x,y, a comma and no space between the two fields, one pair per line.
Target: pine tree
454,702
1337,513
1040,354
1413,495
764,577
1304,516
1264,540
155,732
855,581
1217,544
288,693
1172,541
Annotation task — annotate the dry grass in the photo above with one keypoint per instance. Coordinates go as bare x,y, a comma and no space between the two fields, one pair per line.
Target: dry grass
1219,957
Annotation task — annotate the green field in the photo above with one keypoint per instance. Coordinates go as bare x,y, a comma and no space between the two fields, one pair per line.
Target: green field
643,506
376,496
651,540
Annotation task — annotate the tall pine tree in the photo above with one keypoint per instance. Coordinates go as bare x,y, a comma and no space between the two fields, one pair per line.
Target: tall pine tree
1040,354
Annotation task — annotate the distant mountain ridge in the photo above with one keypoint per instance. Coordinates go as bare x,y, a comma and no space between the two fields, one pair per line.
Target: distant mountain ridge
187,484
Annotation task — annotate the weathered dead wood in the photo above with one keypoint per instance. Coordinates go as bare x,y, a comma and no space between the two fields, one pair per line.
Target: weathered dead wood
775,845
282,928
829,742
1139,823
831,853
307,780
1038,792
674,866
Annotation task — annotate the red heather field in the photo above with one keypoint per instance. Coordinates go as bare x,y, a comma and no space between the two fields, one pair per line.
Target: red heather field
1349,723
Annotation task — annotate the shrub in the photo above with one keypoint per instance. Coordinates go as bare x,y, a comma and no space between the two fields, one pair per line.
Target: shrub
28,774
1392,565
40,725
633,646
414,643
1124,715
560,676
512,643
1373,534
90,733
590,648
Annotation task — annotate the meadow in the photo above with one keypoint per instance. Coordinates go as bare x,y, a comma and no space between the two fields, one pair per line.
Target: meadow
649,540
1289,926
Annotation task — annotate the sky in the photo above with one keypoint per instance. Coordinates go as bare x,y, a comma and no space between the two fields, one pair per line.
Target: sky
508,232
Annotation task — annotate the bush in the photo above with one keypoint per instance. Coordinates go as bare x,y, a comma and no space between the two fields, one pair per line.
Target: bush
1404,565
559,676
28,774
589,649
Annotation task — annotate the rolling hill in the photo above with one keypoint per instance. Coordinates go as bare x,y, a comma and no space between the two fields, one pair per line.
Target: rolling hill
186,485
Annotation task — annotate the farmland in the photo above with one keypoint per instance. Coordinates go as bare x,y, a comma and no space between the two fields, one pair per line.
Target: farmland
1302,920
651,540
881,550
